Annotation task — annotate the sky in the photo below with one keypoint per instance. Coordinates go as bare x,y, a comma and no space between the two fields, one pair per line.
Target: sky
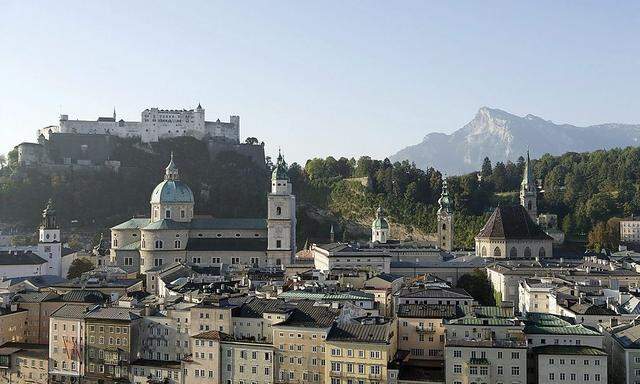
319,78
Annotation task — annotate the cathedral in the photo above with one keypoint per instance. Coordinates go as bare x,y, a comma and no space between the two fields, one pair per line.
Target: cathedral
174,234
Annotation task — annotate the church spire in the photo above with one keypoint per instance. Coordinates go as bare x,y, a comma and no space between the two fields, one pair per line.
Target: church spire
529,191
171,172
528,177
444,202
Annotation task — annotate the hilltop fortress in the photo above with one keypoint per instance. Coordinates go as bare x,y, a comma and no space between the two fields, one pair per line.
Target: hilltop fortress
154,124
88,143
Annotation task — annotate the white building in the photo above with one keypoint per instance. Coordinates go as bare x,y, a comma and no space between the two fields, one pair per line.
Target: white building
173,234
155,124
630,230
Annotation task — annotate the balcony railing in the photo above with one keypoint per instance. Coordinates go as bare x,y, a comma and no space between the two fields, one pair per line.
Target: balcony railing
423,329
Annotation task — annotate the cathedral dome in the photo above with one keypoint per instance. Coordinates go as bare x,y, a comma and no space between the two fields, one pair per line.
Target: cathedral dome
172,190
380,222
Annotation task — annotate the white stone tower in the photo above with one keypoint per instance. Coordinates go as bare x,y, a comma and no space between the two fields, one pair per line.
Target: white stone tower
528,191
49,241
281,217
380,228
445,219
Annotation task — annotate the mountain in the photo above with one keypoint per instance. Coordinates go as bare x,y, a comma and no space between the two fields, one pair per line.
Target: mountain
503,136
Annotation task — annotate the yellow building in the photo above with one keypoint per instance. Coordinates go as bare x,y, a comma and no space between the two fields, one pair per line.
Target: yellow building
14,325
22,363
421,330
298,342
358,352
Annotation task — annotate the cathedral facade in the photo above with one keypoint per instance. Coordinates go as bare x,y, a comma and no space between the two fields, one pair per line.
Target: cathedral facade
174,234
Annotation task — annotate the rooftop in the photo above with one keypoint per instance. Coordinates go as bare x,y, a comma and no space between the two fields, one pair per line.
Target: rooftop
429,311
583,350
358,332
511,222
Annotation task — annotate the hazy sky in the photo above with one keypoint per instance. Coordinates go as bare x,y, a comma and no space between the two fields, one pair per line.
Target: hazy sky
319,78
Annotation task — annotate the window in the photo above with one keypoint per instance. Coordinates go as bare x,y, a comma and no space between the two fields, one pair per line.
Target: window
500,369
278,243
473,370
515,355
457,353
158,244
457,368
496,252
552,376
167,214
278,211
177,244
515,371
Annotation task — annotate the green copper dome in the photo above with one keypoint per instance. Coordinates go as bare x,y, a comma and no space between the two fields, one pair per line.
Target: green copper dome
380,222
172,190
280,170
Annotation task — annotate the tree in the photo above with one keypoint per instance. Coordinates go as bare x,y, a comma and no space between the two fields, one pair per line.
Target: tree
78,267
251,141
605,235
486,169
478,286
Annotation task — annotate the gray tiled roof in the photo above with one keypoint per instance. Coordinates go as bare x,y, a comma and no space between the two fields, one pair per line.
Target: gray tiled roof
429,311
20,258
307,314
36,297
85,296
437,293
71,311
112,313
256,307
357,332
512,222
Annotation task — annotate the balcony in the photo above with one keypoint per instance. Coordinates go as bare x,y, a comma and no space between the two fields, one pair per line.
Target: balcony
375,376
337,374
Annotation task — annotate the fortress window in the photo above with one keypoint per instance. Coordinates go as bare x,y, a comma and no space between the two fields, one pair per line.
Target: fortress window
176,244
237,235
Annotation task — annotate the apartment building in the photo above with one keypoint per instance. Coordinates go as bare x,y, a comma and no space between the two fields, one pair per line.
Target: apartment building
203,366
112,341
622,345
14,325
573,363
246,362
66,344
359,351
299,343
23,363
155,372
485,361
421,330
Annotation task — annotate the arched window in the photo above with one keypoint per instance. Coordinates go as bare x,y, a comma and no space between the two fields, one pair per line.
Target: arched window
496,252
444,226
542,252
278,211
158,243
176,244
483,253
527,252
278,262
513,252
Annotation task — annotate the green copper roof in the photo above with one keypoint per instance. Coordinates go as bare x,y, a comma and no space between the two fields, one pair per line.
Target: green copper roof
577,329
135,223
380,222
568,350
528,177
166,224
172,191
444,202
280,170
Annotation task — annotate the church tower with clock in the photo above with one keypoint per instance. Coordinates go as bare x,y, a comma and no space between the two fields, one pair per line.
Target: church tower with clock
281,217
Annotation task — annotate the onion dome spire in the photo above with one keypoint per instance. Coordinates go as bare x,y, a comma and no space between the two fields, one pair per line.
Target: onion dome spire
171,172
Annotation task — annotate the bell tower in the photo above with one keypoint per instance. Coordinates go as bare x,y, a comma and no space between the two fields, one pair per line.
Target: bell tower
445,219
49,241
528,191
281,217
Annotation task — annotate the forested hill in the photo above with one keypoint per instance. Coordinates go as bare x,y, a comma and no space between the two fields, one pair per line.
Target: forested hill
584,189
229,185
